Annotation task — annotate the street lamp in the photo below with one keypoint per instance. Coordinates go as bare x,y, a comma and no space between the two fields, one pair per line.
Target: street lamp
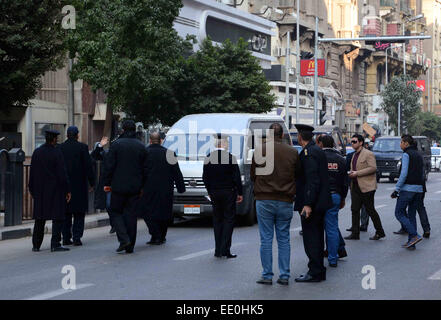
420,16
429,105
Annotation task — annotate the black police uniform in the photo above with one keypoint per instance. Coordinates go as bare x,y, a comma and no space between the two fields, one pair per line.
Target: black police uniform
313,190
221,177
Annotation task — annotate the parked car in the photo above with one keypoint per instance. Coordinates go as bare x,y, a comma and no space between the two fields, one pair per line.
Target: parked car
190,139
298,147
335,132
436,158
388,155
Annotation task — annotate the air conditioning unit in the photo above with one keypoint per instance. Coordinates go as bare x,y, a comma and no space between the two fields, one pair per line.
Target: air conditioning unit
292,71
309,80
286,4
278,52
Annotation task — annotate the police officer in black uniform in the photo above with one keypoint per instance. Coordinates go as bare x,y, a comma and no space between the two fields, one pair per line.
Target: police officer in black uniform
313,199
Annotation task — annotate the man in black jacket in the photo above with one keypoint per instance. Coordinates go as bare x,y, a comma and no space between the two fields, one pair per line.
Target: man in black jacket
338,184
82,180
221,177
313,199
49,187
124,177
162,173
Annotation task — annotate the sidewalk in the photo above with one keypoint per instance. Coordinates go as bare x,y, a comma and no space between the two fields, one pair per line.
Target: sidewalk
93,220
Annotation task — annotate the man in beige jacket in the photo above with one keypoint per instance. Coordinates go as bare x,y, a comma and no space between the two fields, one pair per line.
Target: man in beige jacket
363,187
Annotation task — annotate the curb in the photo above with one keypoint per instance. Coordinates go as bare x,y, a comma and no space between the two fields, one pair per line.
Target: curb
26,230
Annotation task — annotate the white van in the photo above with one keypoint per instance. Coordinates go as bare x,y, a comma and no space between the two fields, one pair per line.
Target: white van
192,138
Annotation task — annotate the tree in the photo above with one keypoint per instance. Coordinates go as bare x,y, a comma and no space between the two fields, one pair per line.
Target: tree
131,51
225,78
31,43
426,124
401,88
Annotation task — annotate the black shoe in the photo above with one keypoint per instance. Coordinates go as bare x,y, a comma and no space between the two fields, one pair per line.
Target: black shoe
123,246
60,248
333,265
77,243
325,253
364,229
112,230
230,256
353,237
377,236
217,255
401,231
426,234
129,250
283,282
163,240
349,229
342,253
35,249
301,232
307,278
67,242
155,242
265,281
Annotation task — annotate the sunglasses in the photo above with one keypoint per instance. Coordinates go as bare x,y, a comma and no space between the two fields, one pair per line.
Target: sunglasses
354,141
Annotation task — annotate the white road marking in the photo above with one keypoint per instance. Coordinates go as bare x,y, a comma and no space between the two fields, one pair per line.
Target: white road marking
381,206
435,276
438,192
204,252
56,293
295,229
391,188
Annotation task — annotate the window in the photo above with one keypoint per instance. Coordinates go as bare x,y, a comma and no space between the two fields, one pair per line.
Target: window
40,129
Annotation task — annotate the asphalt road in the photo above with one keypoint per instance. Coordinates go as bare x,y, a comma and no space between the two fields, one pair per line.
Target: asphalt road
184,268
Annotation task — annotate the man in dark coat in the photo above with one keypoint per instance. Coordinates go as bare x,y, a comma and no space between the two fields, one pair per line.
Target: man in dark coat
49,187
313,199
124,177
162,173
101,199
82,180
221,177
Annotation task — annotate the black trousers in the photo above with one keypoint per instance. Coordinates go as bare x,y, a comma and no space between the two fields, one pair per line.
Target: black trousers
314,243
364,218
224,212
38,234
124,219
77,229
157,228
365,199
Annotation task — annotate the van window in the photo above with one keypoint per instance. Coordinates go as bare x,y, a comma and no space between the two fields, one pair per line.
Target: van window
197,146
264,125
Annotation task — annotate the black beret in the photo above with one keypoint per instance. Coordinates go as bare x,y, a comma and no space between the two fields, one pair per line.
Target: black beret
52,132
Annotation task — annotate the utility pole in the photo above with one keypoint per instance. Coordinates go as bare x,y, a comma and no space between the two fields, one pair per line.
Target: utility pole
298,62
399,119
287,65
315,70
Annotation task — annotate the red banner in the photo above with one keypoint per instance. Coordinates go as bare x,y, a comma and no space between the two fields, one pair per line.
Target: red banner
420,84
307,67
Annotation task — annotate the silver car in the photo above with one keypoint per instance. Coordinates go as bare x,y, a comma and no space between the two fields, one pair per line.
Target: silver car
190,139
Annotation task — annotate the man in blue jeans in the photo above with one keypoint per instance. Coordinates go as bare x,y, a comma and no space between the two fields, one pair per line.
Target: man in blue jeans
338,185
409,189
274,191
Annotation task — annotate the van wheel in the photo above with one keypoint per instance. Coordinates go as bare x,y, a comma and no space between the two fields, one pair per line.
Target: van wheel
250,218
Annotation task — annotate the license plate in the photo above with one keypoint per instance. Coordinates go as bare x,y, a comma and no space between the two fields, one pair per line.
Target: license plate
386,174
192,209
